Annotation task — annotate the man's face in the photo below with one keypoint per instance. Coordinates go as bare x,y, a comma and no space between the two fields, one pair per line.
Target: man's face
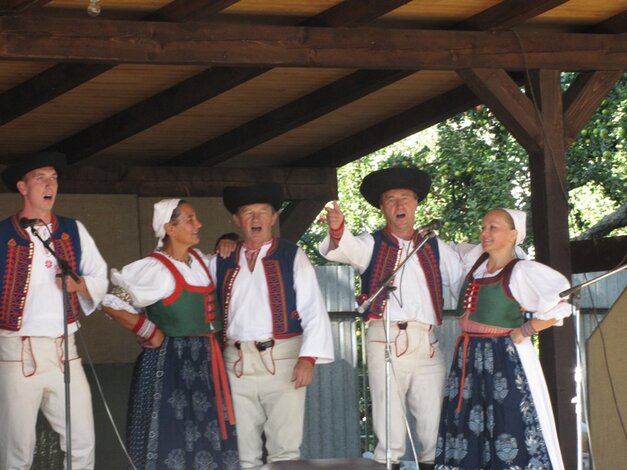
256,222
399,209
39,188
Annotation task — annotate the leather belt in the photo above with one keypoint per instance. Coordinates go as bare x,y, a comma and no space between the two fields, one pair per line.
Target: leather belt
260,345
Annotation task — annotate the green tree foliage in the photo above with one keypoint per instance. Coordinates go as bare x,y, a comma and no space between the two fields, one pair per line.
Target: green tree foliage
476,165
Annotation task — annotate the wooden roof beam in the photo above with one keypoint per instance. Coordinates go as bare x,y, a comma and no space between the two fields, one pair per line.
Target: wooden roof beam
502,95
190,93
298,183
12,7
286,118
337,94
393,129
583,98
264,45
61,78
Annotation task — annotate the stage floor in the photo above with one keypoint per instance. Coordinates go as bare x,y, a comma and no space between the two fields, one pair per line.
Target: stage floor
336,464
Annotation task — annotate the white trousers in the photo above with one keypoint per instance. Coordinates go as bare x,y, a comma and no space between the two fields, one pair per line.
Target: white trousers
31,379
265,400
418,374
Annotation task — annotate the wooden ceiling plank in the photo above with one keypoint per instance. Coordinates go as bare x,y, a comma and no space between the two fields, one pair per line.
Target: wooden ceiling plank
288,117
181,10
354,13
61,78
268,45
250,134
616,24
513,108
44,87
183,96
12,7
393,129
583,98
508,13
153,110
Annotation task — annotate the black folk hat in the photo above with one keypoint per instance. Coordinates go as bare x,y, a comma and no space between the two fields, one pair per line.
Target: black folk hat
235,197
16,171
380,181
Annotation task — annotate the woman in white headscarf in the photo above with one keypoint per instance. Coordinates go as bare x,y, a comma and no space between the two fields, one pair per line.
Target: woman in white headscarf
497,412
180,413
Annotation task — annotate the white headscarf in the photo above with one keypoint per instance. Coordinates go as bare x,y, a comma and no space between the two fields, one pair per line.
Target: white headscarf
520,224
161,215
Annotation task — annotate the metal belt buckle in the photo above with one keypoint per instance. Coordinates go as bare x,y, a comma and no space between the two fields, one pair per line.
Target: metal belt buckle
263,345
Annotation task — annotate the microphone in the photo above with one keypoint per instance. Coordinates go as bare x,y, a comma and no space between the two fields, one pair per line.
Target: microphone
435,224
26,223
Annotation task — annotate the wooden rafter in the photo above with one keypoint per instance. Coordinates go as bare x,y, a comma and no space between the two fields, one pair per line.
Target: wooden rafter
393,129
291,115
287,117
20,6
63,77
193,91
583,98
32,38
496,89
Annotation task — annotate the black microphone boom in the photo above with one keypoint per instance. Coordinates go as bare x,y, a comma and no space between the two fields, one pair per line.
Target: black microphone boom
26,223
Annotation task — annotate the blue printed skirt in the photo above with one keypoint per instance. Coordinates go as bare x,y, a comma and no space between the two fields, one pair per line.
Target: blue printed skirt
494,424
173,417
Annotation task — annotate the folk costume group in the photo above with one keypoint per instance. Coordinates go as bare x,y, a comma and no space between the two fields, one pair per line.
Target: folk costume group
230,340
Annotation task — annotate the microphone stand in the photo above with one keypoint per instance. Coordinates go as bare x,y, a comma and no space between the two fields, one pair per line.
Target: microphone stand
66,271
580,399
386,286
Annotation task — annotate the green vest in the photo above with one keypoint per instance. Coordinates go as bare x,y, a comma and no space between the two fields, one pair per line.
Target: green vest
489,299
189,310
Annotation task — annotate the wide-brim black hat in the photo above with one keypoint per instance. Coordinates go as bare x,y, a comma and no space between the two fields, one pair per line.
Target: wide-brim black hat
380,181
16,171
235,197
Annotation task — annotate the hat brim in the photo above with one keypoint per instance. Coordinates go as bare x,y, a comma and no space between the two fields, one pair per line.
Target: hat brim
378,182
16,171
235,197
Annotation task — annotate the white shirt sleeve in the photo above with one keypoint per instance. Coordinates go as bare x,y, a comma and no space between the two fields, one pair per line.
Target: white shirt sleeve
146,280
351,249
317,336
93,269
536,287
451,269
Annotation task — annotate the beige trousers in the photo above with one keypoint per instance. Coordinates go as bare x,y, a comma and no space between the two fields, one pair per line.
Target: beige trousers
265,400
417,382
31,379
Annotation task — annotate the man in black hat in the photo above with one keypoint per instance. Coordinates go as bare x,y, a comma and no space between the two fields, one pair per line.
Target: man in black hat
276,325
32,315
414,307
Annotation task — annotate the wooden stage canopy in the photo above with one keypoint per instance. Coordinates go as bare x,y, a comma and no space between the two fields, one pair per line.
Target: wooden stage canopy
182,96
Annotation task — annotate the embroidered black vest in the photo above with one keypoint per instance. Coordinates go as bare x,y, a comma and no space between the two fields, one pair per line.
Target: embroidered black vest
16,255
386,257
278,265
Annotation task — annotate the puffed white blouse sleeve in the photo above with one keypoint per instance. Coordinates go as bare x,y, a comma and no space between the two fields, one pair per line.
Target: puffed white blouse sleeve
146,281
536,287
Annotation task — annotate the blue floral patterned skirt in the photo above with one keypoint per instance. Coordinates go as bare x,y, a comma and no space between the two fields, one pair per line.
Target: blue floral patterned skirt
494,425
173,417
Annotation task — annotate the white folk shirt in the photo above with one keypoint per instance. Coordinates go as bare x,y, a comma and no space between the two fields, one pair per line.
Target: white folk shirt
411,301
250,318
148,280
43,308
